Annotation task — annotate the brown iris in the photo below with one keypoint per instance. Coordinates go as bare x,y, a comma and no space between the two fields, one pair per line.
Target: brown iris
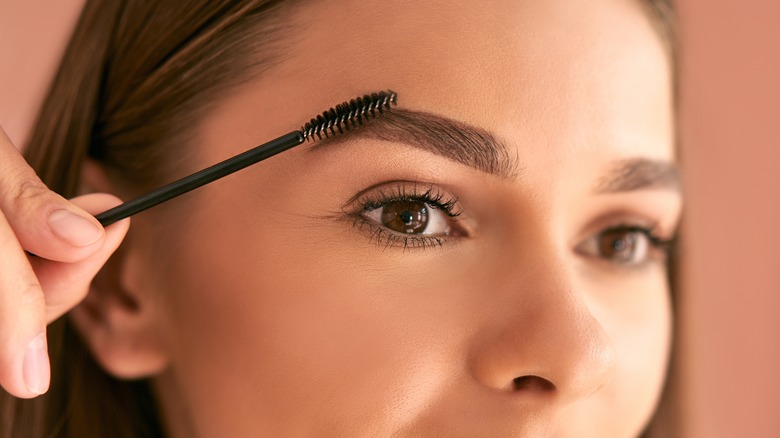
408,217
618,245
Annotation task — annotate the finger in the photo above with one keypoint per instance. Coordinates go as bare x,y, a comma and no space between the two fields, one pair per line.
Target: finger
24,362
66,284
44,222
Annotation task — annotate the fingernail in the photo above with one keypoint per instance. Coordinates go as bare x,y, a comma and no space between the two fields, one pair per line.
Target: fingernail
73,228
36,368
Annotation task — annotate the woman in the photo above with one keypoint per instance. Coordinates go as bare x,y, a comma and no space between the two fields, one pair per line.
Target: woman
510,283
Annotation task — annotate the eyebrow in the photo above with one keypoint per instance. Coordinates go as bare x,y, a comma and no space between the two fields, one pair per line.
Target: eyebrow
640,174
480,149
461,142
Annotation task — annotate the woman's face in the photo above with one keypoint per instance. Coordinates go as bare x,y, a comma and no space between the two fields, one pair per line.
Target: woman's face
405,286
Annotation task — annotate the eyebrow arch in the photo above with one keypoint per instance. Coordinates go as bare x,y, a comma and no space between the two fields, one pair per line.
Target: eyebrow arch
467,144
638,174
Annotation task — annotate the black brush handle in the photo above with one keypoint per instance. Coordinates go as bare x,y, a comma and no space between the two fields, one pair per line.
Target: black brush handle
200,178
346,116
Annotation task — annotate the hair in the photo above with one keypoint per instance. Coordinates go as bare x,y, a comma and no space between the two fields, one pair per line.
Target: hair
134,77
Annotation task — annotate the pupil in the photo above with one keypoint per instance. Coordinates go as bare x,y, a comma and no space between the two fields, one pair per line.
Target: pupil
407,217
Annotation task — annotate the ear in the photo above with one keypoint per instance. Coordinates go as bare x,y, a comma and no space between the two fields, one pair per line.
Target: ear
117,320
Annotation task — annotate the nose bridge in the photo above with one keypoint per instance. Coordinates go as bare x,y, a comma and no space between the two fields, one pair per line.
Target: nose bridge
546,340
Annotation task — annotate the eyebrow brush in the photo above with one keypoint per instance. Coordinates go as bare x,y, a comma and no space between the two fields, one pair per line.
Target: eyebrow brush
342,118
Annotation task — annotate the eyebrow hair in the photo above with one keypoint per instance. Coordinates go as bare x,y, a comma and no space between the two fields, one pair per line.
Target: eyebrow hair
640,173
478,148
458,141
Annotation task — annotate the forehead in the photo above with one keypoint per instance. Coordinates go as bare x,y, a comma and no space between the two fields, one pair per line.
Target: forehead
574,74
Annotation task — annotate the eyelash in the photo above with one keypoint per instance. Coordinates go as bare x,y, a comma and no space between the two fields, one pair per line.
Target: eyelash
448,204
385,237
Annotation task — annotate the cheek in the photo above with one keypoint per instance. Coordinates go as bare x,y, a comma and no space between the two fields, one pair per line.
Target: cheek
298,331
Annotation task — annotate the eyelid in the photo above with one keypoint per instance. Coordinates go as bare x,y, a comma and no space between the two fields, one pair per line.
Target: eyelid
397,190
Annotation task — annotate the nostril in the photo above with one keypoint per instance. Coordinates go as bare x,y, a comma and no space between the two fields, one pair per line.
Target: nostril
532,383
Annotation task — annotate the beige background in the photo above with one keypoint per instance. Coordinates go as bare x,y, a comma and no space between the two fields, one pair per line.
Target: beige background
730,310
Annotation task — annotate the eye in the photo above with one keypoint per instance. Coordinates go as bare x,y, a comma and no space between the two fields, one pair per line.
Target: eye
407,214
624,245
411,217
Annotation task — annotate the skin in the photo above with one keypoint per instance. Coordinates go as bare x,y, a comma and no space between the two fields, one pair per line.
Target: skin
257,306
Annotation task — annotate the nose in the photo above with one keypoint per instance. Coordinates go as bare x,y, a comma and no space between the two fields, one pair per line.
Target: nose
542,340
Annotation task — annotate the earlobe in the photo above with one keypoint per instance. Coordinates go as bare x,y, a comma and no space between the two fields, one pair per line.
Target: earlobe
116,321
119,327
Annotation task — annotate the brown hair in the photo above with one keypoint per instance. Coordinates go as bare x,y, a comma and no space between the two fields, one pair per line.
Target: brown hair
135,75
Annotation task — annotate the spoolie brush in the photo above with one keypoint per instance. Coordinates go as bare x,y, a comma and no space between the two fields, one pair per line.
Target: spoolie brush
342,118
348,114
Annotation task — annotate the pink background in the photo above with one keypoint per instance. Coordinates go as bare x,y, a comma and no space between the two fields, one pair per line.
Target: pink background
731,278
730,329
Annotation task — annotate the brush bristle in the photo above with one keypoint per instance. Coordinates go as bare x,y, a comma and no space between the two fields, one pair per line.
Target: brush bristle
348,115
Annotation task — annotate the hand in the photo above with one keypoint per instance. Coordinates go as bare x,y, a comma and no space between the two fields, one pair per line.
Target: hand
70,247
